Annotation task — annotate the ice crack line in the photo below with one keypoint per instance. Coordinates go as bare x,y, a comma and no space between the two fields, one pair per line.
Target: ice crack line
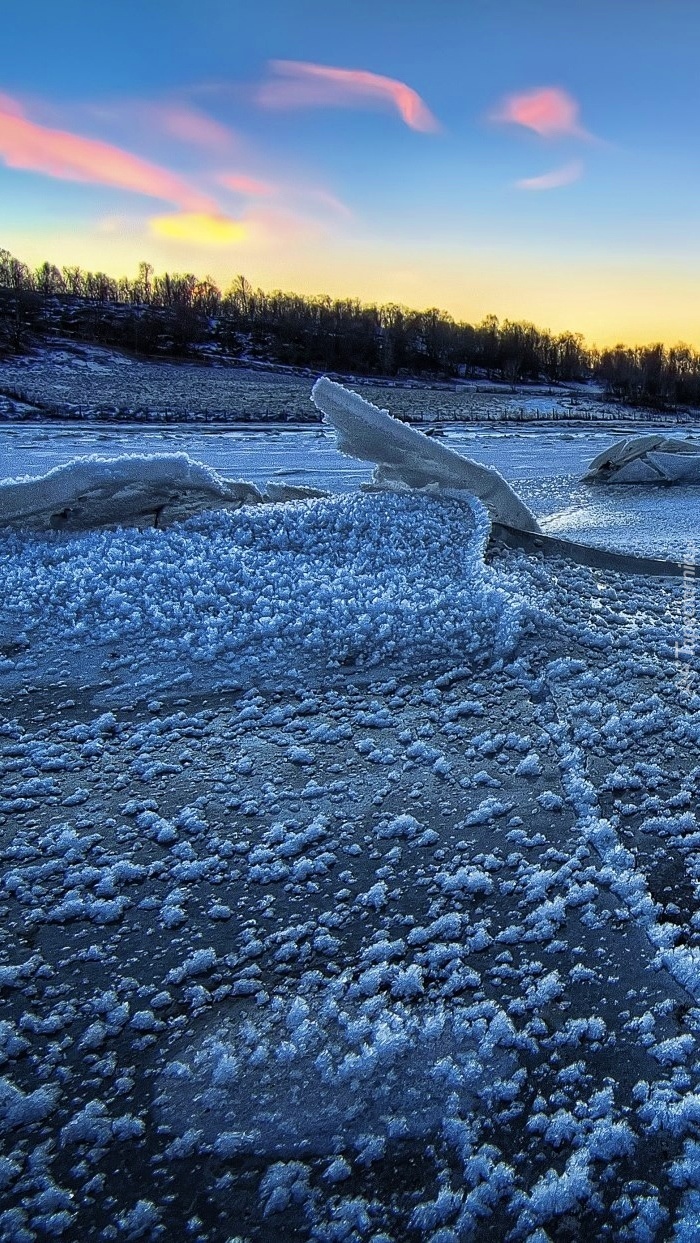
619,872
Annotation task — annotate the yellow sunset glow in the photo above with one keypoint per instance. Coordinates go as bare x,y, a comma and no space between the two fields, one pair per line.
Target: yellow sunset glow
198,229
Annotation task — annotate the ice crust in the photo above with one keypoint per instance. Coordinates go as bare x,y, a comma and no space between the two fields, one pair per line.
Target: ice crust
419,955
299,950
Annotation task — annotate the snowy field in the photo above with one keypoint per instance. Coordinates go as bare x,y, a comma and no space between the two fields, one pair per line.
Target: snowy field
88,378
543,465
350,885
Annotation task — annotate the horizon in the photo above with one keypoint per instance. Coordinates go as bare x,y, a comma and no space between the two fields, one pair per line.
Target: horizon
513,163
225,285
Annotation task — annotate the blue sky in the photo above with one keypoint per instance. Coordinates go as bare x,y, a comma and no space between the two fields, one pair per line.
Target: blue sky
532,159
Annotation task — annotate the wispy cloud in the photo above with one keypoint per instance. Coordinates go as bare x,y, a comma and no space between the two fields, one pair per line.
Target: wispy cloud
564,176
241,183
192,126
199,229
328,202
72,157
301,84
285,192
550,111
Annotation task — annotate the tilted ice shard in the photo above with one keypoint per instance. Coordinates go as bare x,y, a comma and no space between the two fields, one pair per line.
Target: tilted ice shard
405,455
647,459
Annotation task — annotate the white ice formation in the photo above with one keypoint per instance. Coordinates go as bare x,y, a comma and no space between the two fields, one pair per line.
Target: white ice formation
134,488
647,459
406,456
354,580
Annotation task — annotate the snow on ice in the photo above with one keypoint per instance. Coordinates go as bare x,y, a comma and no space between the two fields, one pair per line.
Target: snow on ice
349,886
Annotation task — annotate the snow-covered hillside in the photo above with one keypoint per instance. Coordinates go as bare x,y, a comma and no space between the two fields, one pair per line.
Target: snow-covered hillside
86,382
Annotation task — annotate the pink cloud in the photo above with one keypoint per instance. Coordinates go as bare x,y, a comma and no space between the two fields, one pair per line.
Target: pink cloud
274,227
70,157
550,111
10,106
300,84
253,187
192,126
240,183
564,176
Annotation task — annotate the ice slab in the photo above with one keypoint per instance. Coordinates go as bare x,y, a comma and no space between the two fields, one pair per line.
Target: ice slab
94,491
647,459
131,488
407,456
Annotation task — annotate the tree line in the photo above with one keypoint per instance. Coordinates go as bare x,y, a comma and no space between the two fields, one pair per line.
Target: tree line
180,315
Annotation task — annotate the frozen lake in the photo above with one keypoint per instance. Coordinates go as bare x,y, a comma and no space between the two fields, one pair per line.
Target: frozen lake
543,466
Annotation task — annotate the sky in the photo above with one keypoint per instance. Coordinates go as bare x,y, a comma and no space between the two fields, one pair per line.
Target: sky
531,159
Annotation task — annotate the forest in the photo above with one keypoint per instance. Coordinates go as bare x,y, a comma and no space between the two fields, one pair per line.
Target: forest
179,315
